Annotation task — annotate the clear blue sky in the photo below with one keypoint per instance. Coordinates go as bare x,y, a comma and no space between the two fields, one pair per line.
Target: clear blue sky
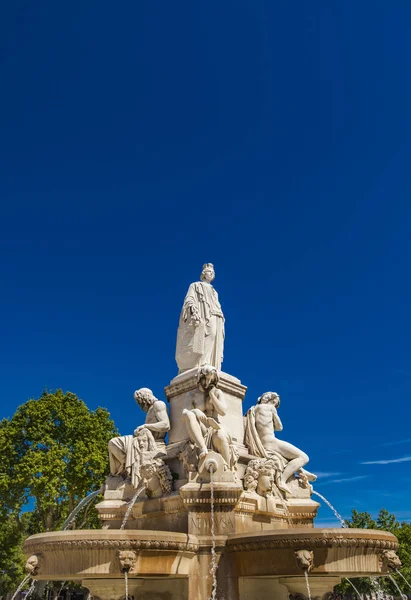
142,139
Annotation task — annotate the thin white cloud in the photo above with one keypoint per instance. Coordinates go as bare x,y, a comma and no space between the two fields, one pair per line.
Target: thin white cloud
406,441
321,475
387,462
356,478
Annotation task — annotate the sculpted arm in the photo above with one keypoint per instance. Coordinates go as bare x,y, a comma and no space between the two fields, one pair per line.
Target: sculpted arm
190,306
278,426
218,400
163,422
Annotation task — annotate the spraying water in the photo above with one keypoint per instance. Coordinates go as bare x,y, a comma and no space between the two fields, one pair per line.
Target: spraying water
131,504
356,591
31,589
378,589
397,586
78,508
61,589
406,580
126,582
213,566
339,517
21,584
307,584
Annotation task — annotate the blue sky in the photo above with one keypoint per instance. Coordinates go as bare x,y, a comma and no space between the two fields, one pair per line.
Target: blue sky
143,139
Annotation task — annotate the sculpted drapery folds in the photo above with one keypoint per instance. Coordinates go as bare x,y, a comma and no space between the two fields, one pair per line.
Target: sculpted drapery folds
200,336
129,452
261,422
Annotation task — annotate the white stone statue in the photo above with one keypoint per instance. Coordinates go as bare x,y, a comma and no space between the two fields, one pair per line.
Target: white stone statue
262,421
156,476
203,406
259,476
200,336
128,453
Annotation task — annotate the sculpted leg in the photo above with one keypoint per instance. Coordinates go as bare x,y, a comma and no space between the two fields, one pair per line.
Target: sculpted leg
221,444
117,457
308,475
292,467
194,429
297,459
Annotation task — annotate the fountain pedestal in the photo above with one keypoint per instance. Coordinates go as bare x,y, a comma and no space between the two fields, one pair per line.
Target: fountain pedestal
234,393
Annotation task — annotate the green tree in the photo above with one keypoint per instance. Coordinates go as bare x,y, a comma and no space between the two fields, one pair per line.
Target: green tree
54,452
361,520
388,522
11,554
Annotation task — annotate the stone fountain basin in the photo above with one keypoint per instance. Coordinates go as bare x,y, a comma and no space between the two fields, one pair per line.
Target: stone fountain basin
337,552
251,566
80,554
88,554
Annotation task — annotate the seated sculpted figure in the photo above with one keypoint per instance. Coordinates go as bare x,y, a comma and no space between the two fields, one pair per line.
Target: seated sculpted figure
203,407
128,452
262,421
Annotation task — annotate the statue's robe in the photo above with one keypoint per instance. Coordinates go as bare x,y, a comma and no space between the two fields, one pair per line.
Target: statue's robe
132,456
208,437
201,344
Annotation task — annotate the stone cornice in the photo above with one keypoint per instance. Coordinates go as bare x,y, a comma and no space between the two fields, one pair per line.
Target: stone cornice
194,494
312,542
302,515
109,540
36,547
185,383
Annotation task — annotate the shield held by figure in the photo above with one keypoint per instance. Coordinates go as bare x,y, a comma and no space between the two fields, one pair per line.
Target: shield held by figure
190,344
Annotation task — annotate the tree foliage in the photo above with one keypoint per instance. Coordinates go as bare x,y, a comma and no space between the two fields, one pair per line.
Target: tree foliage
53,453
11,554
387,522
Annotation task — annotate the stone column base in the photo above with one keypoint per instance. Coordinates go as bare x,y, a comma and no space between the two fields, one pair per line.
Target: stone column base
234,393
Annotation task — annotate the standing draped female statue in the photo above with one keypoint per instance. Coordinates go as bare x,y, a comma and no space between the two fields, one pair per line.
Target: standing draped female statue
200,336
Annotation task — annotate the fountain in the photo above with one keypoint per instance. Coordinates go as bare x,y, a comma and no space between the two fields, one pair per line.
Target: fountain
403,596
223,510
20,586
82,504
407,583
328,503
354,587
